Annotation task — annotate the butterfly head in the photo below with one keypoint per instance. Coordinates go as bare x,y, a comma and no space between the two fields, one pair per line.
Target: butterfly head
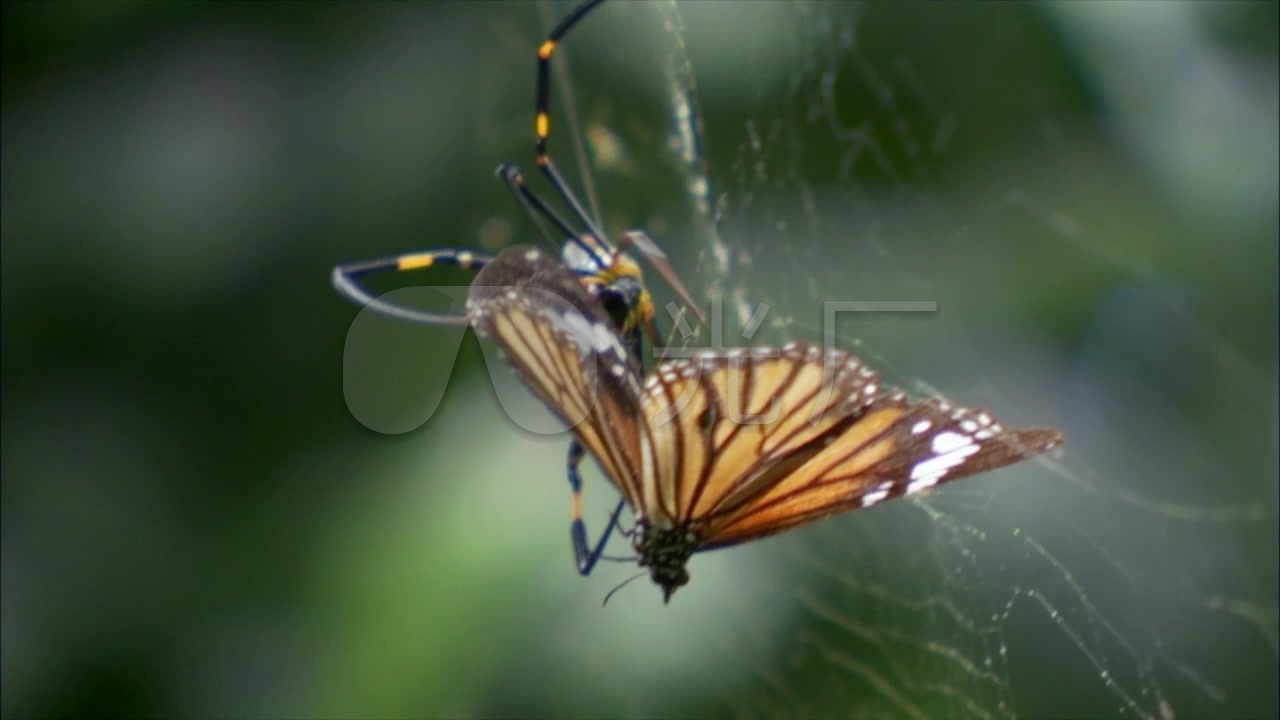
666,551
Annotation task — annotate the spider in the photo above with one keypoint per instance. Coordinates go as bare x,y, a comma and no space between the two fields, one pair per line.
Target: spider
611,277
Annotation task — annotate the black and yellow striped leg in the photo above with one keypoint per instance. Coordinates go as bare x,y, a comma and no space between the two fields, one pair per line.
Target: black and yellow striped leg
586,558
346,280
542,117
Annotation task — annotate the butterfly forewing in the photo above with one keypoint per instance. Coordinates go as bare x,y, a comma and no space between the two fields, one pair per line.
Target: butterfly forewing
565,350
896,447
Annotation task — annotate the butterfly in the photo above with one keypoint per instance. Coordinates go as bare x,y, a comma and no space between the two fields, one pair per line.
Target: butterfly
726,446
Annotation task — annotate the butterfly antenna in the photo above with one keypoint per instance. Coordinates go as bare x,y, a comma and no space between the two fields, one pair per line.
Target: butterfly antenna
621,585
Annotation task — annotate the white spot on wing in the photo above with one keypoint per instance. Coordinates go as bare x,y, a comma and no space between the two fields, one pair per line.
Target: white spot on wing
950,450
945,442
578,328
604,339
874,497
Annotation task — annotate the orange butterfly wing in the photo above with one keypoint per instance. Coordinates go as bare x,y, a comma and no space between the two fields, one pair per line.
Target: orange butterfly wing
837,442
896,447
719,423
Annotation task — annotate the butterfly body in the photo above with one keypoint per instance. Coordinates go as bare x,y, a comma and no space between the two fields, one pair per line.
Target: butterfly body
665,552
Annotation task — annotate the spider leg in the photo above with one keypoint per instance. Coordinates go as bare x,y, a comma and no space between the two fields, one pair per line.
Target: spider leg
346,280
586,557
542,127
535,206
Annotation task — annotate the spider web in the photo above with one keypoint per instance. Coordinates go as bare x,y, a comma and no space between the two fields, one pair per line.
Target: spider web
1022,167
869,153
1087,190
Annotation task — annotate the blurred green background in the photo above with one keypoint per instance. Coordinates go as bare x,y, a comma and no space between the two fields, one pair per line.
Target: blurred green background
195,524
